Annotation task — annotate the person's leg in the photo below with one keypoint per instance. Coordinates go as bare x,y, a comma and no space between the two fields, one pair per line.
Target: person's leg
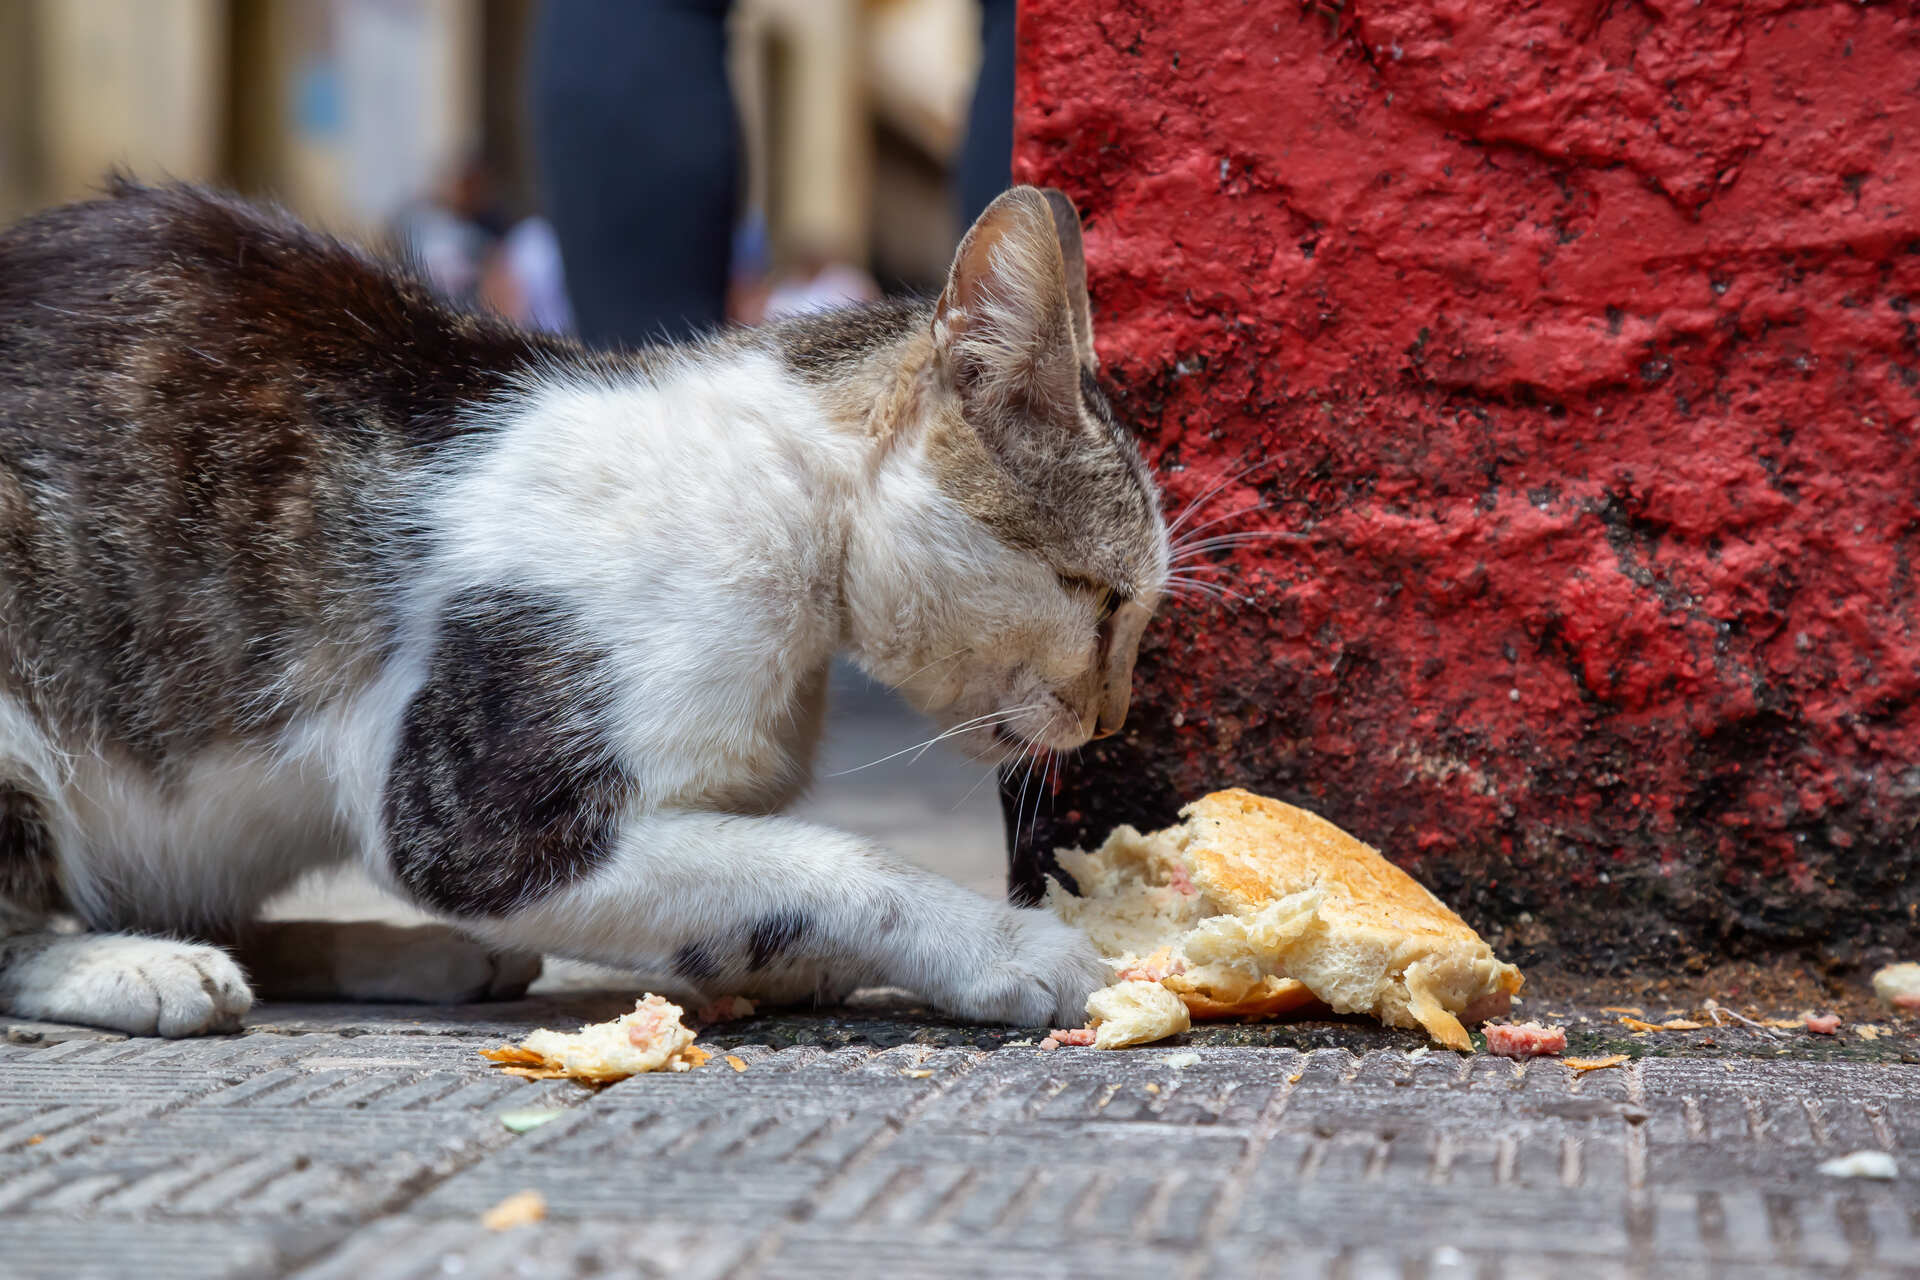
986,157
638,152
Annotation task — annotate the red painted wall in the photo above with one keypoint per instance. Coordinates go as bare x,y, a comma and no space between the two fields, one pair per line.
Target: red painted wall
1579,339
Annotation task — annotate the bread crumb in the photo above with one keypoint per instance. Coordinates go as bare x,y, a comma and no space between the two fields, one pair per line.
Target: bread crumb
651,1038
1583,1065
1295,1077
1130,1013
1525,1039
1878,1165
1179,1060
920,1074
1898,986
1671,1024
521,1209
1151,1088
36,1139
738,1064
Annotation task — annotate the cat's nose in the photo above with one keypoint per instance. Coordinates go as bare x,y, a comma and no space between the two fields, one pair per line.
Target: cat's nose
1116,691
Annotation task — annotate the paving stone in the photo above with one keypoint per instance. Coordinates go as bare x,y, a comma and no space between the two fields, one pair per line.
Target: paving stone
370,1150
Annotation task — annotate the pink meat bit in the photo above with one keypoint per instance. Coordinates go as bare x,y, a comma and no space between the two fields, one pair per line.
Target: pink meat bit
1178,882
1080,1036
1524,1039
1048,1044
1823,1024
644,1031
1150,972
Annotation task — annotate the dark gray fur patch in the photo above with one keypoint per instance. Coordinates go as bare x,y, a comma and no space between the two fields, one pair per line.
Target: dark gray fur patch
695,963
204,410
773,936
504,786
29,871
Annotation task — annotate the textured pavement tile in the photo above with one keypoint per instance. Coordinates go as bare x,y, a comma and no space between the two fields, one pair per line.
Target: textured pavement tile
372,1149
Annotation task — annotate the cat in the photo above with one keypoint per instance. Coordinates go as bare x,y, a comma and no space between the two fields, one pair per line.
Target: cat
300,566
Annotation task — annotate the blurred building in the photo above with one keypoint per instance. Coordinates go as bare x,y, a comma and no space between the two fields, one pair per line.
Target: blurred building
354,111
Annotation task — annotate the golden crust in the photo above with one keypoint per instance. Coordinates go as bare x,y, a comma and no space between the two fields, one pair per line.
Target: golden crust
1248,851
1273,997
1381,943
1253,908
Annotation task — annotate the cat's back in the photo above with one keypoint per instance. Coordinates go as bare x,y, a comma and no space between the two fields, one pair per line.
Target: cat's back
208,414
166,298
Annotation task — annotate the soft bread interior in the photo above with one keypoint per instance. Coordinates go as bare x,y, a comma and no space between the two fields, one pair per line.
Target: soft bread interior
651,1038
1252,908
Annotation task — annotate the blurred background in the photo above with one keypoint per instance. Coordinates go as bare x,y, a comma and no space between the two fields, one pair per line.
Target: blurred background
510,146
411,119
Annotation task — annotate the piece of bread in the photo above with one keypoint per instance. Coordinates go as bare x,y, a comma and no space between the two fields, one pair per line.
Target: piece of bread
1252,907
651,1038
1136,1012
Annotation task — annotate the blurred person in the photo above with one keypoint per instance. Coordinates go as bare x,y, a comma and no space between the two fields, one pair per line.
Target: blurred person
639,158
524,279
449,232
461,239
638,151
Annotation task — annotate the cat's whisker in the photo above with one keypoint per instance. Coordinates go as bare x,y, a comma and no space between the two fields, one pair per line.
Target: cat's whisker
1192,587
1026,776
936,662
1196,550
1193,508
1047,758
978,722
1197,589
1012,713
1191,534
993,772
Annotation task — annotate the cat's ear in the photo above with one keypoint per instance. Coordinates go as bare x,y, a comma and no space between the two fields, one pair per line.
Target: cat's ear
1005,326
1073,256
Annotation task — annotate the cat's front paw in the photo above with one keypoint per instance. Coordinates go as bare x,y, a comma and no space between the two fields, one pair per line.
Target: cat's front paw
144,986
1041,973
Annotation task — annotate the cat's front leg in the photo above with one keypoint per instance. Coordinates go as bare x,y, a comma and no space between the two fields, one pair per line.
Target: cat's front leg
740,904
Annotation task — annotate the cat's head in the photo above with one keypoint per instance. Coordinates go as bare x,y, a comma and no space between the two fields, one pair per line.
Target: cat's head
1022,549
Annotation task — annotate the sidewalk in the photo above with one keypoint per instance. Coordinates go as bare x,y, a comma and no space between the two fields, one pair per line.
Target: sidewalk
354,1144
362,1143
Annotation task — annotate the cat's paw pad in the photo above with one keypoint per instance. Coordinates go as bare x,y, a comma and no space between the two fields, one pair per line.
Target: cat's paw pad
1043,972
143,986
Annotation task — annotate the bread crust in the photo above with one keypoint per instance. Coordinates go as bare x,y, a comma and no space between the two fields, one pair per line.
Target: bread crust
1285,909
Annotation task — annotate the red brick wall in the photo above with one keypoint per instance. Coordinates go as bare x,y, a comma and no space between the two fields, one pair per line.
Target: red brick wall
1579,342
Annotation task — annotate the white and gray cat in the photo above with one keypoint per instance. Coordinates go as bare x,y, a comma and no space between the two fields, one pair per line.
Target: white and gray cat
298,566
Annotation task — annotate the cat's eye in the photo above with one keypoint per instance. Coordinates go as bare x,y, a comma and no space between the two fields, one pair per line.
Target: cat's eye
1106,599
